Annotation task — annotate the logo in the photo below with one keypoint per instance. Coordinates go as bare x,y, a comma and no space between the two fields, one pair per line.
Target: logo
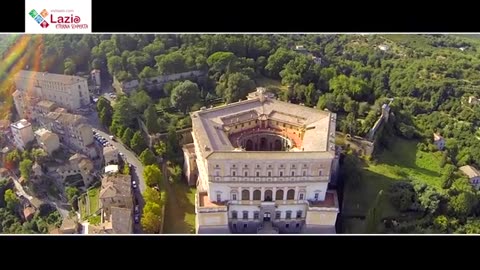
40,18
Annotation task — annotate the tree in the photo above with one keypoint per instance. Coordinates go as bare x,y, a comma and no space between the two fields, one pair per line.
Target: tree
374,214
151,195
402,195
278,60
72,192
12,159
147,157
160,148
151,119
176,173
140,101
153,207
138,143
462,205
26,168
11,199
39,154
150,222
126,169
70,67
185,95
123,115
114,64
171,63
152,175
127,136
234,86
447,177
105,111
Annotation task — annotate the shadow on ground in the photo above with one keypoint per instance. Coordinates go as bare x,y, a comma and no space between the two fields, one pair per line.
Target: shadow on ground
180,209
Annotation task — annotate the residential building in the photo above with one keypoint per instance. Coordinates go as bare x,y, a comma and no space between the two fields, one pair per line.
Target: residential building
70,92
116,191
95,75
264,166
28,213
22,133
42,108
190,165
110,155
24,102
73,131
122,221
36,170
473,175
47,140
78,165
69,226
439,141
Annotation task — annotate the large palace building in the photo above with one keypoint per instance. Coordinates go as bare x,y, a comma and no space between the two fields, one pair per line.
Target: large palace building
264,166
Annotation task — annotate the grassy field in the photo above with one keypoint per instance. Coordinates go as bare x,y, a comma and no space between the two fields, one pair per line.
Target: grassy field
180,210
93,197
401,162
274,85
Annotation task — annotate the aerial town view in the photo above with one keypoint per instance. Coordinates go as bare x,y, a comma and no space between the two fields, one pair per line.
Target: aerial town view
240,134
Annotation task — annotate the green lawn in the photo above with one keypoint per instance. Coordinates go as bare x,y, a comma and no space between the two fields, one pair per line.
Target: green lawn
180,210
82,207
93,197
401,162
274,85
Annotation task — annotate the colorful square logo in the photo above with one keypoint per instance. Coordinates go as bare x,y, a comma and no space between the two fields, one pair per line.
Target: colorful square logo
44,24
44,13
38,19
33,13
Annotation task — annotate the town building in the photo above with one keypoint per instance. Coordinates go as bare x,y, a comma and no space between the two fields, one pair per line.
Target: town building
110,155
47,140
67,91
111,169
116,191
73,131
439,141
78,164
264,166
22,133
473,175
95,75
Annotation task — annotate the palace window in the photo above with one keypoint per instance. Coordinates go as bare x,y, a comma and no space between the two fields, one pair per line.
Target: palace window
316,196
320,173
293,173
269,174
257,194
304,173
287,225
278,214
245,194
258,174
246,173
234,215
234,196
299,214
245,214
216,166
298,225
289,215
219,197
234,173
256,215
300,197
291,194
258,166
281,173
245,225
279,195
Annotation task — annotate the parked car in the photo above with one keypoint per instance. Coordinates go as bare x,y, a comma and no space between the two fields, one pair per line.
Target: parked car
137,209
134,184
137,219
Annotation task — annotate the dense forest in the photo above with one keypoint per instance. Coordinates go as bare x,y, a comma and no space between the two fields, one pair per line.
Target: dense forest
430,77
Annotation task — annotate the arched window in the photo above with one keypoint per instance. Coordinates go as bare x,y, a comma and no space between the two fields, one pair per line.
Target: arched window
233,195
291,194
246,173
268,195
245,194
279,195
234,173
320,173
257,195
293,173
281,173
